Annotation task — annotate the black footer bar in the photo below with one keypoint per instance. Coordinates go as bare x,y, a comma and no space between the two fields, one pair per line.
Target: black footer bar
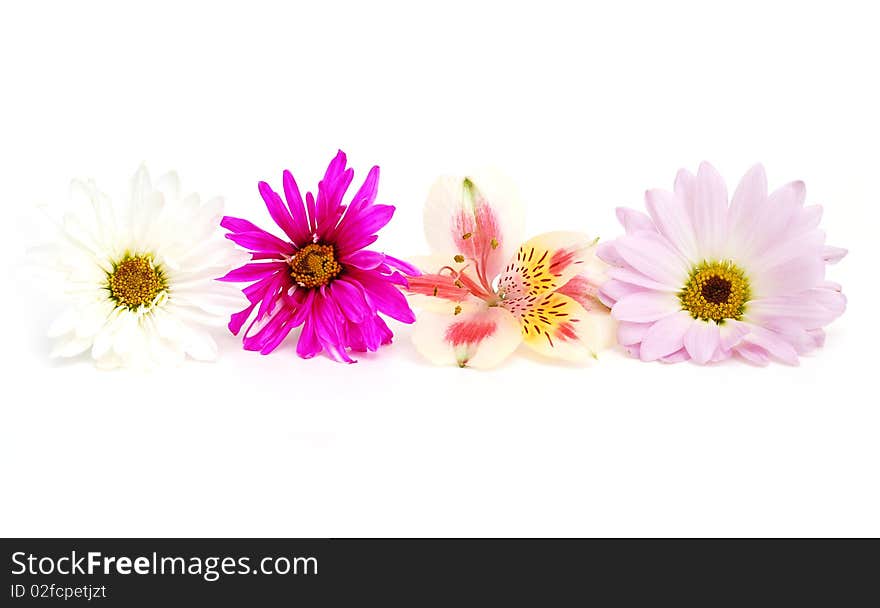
415,572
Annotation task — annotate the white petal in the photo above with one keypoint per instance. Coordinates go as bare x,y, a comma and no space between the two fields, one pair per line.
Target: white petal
69,346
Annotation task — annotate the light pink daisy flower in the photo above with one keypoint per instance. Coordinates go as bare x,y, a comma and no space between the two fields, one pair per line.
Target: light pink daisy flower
700,279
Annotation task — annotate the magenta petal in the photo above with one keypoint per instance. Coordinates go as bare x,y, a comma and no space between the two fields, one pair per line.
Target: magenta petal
329,325
301,226
251,272
311,211
331,190
366,194
387,298
308,346
269,335
279,331
236,224
260,241
359,234
239,318
279,212
363,259
270,294
364,197
350,299
256,291
403,266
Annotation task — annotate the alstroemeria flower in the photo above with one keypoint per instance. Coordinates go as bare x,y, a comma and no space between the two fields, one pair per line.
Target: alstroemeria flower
319,275
704,280
484,292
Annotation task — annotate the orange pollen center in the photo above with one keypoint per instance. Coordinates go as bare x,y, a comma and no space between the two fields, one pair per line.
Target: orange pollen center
135,282
314,265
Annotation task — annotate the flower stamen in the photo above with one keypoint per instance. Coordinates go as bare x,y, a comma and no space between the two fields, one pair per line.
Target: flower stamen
135,282
314,265
716,291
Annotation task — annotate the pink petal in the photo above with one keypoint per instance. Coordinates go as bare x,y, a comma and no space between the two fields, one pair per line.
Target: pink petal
607,252
677,357
805,310
613,290
833,255
749,200
665,336
773,343
672,220
702,340
631,333
636,278
652,256
769,227
788,278
478,217
645,306
709,211
753,354
634,221
685,187
731,334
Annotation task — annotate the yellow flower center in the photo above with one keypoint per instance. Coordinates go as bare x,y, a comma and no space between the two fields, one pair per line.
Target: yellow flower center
314,265
716,291
135,282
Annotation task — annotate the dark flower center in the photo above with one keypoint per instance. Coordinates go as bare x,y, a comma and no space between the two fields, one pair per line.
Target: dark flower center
135,282
314,265
716,291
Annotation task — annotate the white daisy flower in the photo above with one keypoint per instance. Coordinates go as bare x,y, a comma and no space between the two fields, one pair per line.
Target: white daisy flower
140,278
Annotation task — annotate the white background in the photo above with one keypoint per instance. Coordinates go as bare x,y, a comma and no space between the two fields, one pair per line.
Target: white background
585,108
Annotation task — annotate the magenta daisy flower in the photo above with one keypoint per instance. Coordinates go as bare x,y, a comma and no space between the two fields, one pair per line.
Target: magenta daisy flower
320,276
702,279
